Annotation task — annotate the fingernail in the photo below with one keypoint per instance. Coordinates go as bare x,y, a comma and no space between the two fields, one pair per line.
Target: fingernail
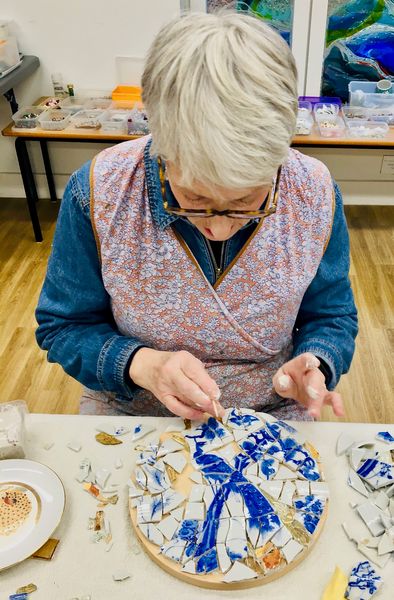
284,382
312,362
312,393
313,413
199,405
202,396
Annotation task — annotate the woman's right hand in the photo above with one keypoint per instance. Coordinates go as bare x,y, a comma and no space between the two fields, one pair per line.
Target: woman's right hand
178,380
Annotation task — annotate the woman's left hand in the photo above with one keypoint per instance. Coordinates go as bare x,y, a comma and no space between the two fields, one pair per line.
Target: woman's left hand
301,380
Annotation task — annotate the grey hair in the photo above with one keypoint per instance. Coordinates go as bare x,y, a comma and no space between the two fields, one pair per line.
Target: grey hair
220,91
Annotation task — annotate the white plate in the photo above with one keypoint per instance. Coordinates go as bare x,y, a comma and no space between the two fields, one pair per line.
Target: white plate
46,494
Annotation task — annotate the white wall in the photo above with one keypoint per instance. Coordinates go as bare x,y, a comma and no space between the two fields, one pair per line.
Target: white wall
81,39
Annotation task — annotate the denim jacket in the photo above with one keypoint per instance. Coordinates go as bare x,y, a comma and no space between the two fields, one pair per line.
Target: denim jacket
76,325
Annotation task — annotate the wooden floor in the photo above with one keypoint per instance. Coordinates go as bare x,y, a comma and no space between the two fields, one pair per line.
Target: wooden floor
25,373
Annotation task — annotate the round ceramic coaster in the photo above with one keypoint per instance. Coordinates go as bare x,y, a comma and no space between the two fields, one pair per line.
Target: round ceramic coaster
228,504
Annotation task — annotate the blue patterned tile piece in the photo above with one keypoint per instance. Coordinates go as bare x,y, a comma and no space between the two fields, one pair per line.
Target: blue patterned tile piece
256,443
268,467
385,436
237,419
311,504
364,582
376,473
309,521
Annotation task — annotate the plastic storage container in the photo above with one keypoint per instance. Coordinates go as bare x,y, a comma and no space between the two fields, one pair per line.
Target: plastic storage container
27,118
9,55
326,111
330,128
356,113
116,121
137,123
304,118
127,92
367,129
100,103
73,104
363,93
320,99
55,119
88,119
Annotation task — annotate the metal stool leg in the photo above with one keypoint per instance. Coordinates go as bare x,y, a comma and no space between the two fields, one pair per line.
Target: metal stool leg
29,184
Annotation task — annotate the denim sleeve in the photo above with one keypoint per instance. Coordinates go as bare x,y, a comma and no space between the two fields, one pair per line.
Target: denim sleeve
326,324
75,321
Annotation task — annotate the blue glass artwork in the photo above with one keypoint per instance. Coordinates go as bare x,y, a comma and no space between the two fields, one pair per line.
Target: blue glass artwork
277,13
363,582
359,44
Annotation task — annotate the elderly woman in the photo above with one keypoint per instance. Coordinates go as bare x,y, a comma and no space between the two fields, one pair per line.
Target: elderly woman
209,260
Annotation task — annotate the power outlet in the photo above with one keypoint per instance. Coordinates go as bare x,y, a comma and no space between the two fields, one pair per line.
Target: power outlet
387,167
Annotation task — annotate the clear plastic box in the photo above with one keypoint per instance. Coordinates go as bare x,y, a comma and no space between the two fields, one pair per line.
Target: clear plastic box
9,54
367,129
73,103
55,119
99,103
116,121
326,110
88,119
330,128
305,106
27,117
363,93
355,113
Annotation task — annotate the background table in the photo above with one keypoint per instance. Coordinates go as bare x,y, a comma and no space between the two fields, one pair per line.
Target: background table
81,567
28,65
22,136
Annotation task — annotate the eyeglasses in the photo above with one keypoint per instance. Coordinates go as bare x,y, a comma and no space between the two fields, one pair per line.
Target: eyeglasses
211,212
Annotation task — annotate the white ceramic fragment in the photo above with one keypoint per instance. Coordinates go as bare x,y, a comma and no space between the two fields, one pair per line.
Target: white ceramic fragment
150,511
319,488
120,575
174,549
115,430
157,480
386,521
84,470
253,532
223,558
74,446
176,460
222,532
169,446
168,527
353,537
302,487
371,515
386,544
140,478
380,500
281,537
133,490
344,442
118,464
240,434
274,488
176,425
284,473
373,556
287,493
355,482
364,582
102,476
235,505
171,500
189,567
385,436
372,542
197,492
209,495
152,533
196,476
355,457
391,507
377,474
134,502
141,431
178,513
239,572
194,511
228,452
252,469
291,549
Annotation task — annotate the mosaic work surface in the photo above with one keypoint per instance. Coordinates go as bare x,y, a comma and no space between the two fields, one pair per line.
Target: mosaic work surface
359,44
235,502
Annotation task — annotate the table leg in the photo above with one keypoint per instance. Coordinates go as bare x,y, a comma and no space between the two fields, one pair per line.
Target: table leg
48,170
10,97
29,184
